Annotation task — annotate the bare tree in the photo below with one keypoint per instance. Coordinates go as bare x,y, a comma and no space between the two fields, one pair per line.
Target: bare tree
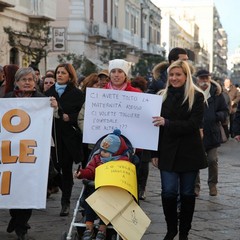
81,64
33,42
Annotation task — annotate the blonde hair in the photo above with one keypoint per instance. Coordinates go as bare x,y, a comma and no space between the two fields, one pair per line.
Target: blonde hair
189,88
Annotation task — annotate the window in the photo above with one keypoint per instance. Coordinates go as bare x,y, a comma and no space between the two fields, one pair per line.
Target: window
116,15
143,28
127,18
91,9
150,34
158,37
105,11
134,21
14,56
26,3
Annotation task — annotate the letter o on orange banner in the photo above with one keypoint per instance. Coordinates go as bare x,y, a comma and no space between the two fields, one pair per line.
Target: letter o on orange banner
23,124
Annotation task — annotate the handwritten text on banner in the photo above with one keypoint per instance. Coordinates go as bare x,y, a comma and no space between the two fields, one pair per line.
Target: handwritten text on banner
130,112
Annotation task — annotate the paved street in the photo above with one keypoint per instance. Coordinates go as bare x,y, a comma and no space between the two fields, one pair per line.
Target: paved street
214,218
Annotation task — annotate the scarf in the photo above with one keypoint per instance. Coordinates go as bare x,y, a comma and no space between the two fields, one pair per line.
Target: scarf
207,92
60,88
21,93
110,86
110,158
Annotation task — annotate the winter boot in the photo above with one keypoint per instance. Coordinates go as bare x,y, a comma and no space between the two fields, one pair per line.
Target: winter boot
186,215
170,212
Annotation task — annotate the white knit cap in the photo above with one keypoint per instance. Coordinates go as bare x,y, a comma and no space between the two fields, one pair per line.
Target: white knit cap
120,64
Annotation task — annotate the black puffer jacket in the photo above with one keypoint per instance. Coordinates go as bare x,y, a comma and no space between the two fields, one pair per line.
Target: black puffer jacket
215,111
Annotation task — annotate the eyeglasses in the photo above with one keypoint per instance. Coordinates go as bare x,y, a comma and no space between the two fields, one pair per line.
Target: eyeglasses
48,82
27,79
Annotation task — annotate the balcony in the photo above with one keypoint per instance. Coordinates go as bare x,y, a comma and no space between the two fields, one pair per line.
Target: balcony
5,4
99,30
117,35
125,37
43,9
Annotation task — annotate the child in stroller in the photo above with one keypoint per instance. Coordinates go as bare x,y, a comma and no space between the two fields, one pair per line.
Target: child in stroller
112,147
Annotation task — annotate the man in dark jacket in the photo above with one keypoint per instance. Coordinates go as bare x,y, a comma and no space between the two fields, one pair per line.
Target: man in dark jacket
160,70
215,113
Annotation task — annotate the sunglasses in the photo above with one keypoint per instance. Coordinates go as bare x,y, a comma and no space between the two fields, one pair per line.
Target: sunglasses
48,82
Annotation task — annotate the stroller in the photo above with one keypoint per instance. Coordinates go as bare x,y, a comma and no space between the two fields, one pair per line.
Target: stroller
78,220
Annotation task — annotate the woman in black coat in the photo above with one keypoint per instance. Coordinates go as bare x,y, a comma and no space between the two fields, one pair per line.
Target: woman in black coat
180,150
66,134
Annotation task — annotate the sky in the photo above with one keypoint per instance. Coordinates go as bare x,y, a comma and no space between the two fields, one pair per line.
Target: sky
229,12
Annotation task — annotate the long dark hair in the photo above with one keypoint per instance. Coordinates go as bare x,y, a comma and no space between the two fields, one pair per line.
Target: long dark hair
9,72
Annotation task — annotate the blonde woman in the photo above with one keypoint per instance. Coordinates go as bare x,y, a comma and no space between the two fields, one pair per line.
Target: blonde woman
180,149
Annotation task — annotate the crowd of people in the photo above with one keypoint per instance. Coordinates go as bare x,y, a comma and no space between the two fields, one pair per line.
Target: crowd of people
194,107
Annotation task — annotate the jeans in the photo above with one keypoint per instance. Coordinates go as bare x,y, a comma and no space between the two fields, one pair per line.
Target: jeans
174,183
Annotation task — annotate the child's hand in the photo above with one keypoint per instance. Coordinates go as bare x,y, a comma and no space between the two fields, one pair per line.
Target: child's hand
77,174
237,137
155,162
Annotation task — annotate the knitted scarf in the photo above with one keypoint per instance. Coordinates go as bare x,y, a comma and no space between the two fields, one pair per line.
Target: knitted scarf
60,88
110,86
111,158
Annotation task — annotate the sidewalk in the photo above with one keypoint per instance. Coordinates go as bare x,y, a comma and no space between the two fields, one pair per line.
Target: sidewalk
214,218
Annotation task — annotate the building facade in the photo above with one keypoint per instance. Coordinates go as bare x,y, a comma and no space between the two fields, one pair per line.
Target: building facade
131,29
96,29
16,14
209,40
103,29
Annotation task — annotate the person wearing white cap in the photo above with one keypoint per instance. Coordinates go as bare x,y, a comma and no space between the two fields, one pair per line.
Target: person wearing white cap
118,73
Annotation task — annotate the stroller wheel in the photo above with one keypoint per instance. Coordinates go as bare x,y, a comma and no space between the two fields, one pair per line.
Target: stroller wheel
76,236
64,236
113,237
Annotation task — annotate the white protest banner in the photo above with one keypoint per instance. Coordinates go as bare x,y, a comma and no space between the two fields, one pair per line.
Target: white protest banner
131,112
25,140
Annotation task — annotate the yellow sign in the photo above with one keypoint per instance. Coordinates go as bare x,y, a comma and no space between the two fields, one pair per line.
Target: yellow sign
117,173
